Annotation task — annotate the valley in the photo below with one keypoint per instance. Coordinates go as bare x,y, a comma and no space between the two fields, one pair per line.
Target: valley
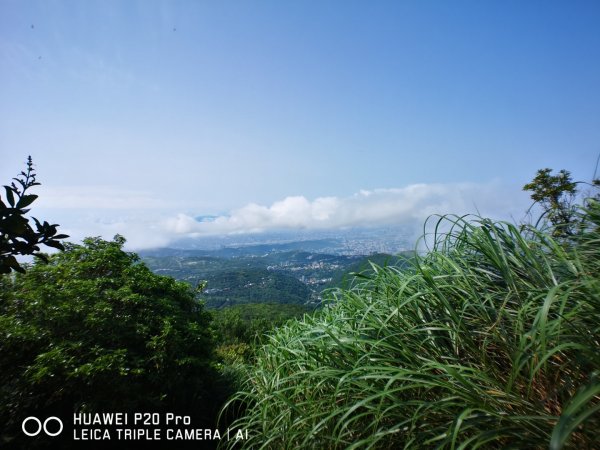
262,273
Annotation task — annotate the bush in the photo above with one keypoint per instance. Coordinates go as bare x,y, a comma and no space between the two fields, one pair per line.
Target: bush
94,330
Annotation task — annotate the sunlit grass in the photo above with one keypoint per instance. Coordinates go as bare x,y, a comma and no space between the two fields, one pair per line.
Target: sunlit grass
491,340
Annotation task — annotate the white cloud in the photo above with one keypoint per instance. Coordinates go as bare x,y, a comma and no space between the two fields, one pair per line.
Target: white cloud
147,221
366,208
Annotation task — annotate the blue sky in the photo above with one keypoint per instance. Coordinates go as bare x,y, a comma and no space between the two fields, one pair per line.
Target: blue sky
143,115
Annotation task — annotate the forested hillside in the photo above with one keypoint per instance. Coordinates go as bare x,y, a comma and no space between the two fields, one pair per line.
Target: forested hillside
298,277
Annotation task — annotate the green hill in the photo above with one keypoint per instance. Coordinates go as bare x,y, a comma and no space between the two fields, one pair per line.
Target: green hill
296,277
253,286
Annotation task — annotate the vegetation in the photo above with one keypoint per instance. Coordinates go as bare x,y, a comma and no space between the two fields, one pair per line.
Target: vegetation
557,196
17,237
273,313
291,277
254,286
491,340
240,329
94,330
367,266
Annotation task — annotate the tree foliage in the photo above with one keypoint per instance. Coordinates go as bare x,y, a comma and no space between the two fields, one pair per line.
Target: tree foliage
95,330
17,237
555,193
240,329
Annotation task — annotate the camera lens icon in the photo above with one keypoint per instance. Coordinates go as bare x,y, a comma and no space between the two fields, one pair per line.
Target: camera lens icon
41,426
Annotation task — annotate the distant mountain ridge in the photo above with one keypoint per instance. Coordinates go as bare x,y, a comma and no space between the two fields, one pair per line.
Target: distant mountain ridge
316,245
350,241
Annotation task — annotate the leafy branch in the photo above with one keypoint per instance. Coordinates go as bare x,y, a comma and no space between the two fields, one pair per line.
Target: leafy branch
557,195
17,237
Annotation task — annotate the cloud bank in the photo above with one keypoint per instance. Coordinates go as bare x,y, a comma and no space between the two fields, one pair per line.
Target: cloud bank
365,208
148,221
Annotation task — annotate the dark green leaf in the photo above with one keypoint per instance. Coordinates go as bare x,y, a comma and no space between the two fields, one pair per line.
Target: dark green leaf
9,196
26,200
11,261
38,225
55,244
14,224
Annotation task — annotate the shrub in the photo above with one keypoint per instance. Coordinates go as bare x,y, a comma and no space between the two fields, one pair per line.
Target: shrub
94,330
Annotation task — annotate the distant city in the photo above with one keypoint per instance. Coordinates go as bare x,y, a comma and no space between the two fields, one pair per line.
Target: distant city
284,267
350,242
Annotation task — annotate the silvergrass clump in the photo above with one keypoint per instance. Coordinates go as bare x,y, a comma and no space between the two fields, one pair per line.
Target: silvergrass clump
491,340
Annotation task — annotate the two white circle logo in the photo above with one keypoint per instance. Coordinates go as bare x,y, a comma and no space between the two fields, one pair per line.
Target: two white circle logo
40,426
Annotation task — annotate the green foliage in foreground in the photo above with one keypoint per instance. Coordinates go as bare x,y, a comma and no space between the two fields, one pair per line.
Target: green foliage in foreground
491,340
364,267
94,330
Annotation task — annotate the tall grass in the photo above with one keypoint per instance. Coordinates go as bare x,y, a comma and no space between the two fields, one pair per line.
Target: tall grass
491,340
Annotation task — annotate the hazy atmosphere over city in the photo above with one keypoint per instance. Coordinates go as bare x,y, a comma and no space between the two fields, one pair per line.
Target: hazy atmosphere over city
163,120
